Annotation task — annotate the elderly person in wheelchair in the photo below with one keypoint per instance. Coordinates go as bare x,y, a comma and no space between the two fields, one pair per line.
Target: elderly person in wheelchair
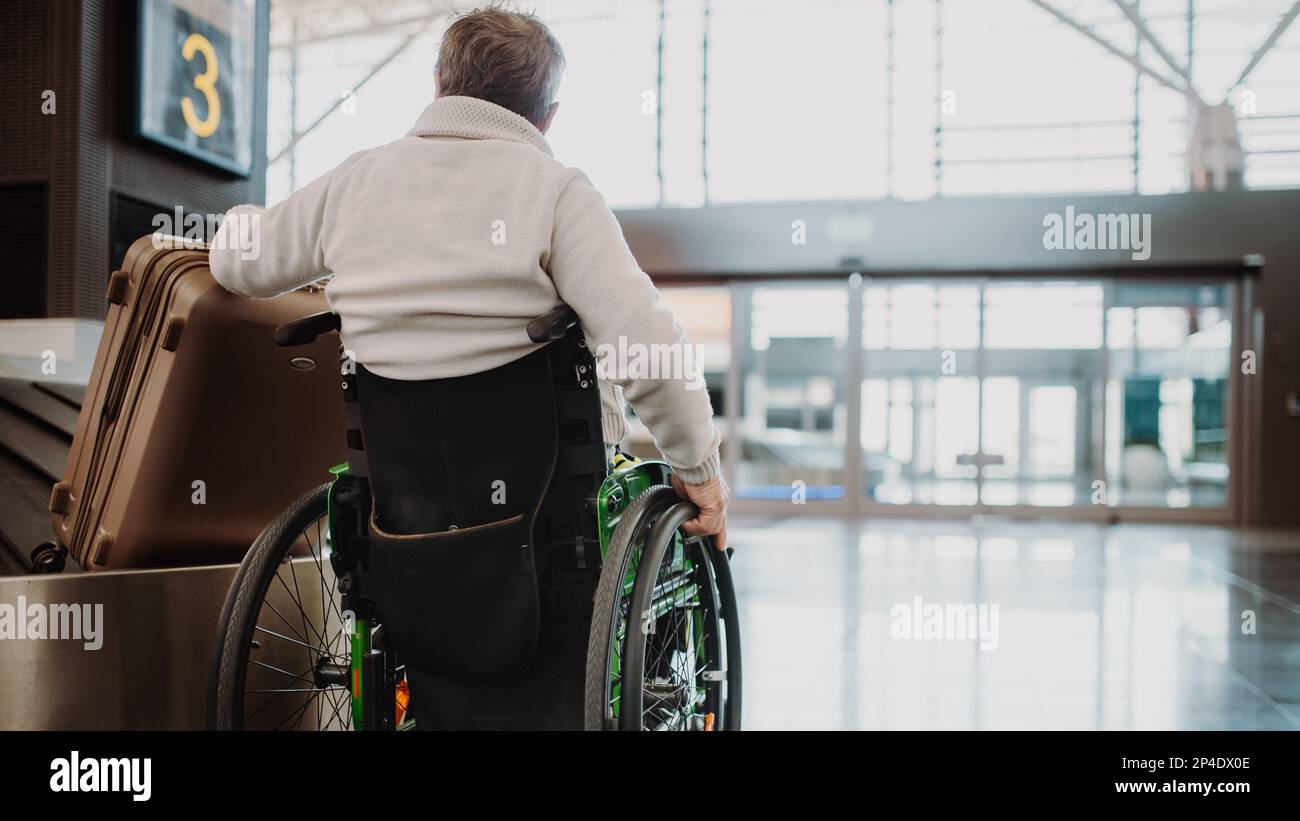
479,515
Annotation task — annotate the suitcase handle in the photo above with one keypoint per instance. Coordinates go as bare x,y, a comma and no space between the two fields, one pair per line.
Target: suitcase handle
305,330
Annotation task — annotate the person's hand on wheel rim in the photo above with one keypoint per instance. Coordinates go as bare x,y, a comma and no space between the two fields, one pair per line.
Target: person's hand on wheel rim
711,498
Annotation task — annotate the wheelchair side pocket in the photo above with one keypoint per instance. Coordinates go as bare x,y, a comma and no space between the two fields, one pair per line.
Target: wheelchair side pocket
460,602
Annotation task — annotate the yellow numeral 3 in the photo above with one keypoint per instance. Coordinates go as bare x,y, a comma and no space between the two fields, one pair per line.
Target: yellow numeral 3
205,82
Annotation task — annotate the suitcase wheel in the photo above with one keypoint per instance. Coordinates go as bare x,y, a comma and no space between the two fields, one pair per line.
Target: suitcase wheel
47,557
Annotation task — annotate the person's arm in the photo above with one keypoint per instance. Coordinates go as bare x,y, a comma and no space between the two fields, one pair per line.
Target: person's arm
613,424
264,252
596,275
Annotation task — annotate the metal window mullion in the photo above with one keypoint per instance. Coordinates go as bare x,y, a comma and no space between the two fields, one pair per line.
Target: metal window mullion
889,98
938,97
981,375
854,359
1102,390
659,102
1238,419
1137,104
740,321
704,101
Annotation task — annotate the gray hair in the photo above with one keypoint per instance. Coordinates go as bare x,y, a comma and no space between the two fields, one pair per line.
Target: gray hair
505,57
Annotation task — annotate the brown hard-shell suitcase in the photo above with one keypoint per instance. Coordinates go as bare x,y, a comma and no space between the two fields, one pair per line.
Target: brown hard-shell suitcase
196,430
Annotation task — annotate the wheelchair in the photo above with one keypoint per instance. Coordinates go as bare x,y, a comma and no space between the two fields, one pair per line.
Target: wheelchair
456,581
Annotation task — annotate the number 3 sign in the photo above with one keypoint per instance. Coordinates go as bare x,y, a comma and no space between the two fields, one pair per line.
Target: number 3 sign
197,77
205,82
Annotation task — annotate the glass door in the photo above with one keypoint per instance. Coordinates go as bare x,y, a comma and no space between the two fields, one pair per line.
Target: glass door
1081,395
1041,364
920,431
791,413
1170,355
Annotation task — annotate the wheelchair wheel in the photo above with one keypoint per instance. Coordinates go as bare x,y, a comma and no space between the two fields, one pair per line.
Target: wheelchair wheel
664,650
282,657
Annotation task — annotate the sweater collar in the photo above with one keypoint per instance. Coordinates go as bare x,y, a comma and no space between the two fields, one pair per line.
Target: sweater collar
474,119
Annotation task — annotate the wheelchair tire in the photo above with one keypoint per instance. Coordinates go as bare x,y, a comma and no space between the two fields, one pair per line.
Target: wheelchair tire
617,668
282,639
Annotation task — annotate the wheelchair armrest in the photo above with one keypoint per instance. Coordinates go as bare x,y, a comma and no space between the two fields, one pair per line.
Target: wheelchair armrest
552,325
305,330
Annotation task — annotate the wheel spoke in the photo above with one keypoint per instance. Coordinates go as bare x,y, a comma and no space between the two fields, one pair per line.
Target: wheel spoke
282,637
271,688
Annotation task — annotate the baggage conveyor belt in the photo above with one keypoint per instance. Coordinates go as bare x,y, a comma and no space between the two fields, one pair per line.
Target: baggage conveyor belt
37,420
155,628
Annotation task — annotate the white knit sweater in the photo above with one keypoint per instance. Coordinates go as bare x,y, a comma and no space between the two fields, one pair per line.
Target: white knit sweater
444,244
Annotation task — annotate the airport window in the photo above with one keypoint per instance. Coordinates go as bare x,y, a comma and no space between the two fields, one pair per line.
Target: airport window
719,101
781,83
610,71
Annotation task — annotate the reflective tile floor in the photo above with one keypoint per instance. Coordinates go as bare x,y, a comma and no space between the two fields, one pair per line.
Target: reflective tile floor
1130,626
